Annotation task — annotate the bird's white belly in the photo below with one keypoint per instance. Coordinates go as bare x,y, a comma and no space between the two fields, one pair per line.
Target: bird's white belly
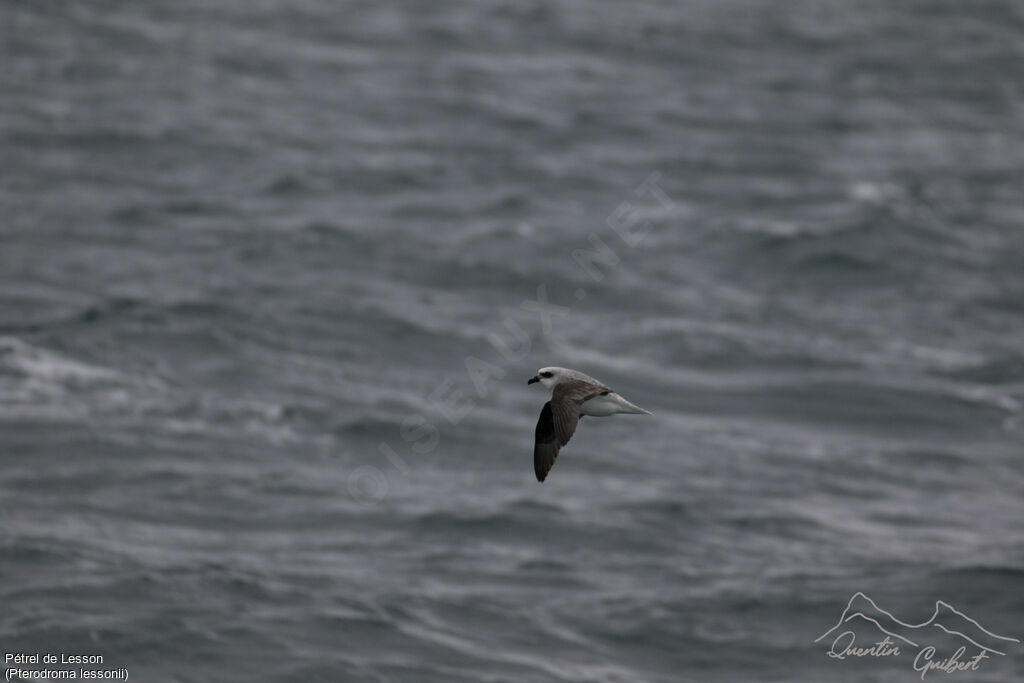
602,406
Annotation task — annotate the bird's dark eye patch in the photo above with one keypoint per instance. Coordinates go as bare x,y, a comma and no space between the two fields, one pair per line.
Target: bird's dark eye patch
546,374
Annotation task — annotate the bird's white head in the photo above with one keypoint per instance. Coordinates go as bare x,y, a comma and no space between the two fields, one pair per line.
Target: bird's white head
552,376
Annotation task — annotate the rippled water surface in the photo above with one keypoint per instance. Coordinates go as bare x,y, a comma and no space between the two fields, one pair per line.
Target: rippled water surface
248,248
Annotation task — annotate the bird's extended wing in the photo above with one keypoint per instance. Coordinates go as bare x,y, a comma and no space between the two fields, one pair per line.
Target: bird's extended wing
558,420
546,443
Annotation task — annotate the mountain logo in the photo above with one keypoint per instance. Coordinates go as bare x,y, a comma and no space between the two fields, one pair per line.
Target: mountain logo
943,632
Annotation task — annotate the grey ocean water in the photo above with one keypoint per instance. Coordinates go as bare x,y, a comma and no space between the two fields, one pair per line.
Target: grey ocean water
243,243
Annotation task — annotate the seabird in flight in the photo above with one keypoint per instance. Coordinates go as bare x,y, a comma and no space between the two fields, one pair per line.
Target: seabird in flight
573,395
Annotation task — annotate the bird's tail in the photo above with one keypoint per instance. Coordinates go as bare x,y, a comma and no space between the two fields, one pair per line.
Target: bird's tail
629,408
